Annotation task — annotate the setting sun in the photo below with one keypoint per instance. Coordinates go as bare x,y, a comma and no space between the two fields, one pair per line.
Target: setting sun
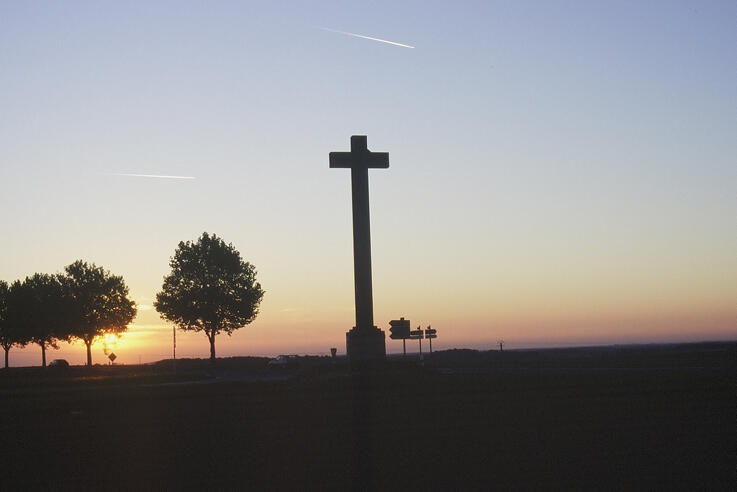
110,341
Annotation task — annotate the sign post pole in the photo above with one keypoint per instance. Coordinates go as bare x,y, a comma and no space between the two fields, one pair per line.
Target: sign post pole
430,334
419,337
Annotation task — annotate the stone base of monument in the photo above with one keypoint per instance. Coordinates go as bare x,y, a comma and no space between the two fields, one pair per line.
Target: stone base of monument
365,345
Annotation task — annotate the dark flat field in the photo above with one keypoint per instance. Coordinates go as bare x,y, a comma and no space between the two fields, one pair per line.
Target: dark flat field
648,418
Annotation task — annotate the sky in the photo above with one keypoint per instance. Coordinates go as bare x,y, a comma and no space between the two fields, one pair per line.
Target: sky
561,173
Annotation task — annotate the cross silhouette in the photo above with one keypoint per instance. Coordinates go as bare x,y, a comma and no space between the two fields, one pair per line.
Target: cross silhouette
359,160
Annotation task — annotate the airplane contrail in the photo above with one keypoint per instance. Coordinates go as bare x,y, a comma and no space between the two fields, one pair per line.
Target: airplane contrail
149,176
367,37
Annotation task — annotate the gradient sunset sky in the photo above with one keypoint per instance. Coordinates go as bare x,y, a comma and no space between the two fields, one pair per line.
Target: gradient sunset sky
561,173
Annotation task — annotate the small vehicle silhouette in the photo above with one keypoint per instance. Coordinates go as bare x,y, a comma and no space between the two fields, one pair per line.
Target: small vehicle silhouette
59,364
284,362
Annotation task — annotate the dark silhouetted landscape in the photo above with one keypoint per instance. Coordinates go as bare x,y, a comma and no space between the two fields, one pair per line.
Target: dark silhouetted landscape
648,417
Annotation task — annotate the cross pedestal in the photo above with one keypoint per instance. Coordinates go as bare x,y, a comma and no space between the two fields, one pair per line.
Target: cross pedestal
364,342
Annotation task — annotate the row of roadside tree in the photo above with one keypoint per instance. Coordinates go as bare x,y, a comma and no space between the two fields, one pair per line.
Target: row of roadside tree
85,302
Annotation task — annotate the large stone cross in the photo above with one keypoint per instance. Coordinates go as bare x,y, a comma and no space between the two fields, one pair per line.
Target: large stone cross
364,341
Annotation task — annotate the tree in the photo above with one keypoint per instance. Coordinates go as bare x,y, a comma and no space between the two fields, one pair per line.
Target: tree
37,308
210,289
99,303
9,333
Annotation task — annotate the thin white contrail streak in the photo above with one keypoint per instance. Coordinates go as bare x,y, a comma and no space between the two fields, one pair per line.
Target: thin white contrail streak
367,37
149,176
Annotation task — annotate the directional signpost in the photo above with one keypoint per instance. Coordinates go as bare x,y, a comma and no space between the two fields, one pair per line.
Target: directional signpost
417,335
430,334
399,330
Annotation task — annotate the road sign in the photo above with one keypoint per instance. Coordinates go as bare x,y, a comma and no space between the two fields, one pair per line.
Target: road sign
431,336
112,356
399,329
415,334
430,331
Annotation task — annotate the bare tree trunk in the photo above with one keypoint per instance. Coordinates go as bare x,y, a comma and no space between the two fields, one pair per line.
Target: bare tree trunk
7,349
212,347
89,352
43,354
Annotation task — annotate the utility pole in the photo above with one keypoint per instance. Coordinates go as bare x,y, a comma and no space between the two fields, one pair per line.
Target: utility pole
174,335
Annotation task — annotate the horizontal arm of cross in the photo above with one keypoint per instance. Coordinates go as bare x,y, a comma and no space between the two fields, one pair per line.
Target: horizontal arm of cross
356,160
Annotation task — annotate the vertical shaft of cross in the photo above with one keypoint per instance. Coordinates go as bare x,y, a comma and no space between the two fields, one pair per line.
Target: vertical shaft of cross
361,240
365,342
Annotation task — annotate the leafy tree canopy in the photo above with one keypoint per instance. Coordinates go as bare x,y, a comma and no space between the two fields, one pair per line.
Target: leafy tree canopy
210,289
37,307
38,311
99,303
10,334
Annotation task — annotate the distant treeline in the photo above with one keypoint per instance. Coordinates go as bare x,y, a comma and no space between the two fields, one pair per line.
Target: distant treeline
210,290
85,302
